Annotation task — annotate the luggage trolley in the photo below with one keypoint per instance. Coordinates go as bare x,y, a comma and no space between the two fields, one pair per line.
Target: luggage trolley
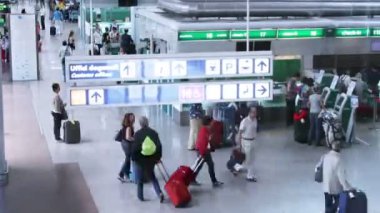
332,120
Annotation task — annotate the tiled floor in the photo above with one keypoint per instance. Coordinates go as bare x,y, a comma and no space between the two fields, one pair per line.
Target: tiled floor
285,168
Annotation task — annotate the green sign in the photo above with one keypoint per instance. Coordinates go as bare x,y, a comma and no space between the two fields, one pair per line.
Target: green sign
203,35
301,33
254,34
352,32
375,32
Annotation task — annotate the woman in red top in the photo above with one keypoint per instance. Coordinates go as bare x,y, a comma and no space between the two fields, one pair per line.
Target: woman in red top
204,148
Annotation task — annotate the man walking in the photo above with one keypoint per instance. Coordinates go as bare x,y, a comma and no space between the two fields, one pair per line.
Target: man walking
334,178
196,114
64,51
247,136
146,153
205,148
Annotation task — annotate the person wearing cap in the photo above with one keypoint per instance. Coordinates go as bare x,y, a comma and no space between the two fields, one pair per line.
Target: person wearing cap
334,177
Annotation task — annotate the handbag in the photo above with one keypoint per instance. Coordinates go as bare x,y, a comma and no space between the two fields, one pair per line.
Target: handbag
318,176
119,136
64,114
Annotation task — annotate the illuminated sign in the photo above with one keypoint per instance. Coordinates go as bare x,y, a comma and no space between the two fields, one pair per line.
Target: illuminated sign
301,33
254,34
203,35
156,94
352,32
178,66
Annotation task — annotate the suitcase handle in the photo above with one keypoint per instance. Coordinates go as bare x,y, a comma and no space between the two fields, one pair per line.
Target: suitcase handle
197,163
163,171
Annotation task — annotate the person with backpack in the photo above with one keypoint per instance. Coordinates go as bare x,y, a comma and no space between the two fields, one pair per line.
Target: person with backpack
63,52
126,144
146,153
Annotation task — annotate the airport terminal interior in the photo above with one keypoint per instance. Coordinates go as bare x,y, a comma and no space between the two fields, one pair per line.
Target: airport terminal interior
221,54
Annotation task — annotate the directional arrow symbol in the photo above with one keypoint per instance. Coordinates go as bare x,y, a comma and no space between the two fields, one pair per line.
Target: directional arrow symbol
262,64
96,95
179,67
263,90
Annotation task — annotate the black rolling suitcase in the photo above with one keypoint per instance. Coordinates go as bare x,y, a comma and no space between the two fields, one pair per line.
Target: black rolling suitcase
53,30
71,132
354,201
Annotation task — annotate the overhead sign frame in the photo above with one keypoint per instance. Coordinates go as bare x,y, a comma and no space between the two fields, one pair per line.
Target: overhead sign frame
158,94
163,67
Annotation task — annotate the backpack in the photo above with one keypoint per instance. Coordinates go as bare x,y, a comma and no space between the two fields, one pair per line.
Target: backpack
148,147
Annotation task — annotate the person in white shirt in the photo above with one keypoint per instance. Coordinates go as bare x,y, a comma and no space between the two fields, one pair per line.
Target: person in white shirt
64,51
98,39
57,111
315,106
334,178
247,136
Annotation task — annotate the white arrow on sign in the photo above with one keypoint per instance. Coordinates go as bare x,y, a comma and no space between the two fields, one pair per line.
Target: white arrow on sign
179,68
262,65
128,70
95,96
262,90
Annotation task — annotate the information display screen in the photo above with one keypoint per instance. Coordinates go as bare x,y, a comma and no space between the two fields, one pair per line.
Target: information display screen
166,67
156,94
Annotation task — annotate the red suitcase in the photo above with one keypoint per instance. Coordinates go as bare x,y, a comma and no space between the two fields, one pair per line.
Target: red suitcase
178,193
183,174
176,190
217,134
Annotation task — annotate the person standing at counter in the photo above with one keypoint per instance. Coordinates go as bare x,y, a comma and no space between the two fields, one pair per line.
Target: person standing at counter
291,93
196,114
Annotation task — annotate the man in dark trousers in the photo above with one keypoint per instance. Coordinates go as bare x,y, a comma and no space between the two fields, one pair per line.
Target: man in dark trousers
204,149
126,43
57,111
146,153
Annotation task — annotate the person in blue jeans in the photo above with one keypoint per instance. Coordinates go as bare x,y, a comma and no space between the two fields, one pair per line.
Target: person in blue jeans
126,144
147,152
315,106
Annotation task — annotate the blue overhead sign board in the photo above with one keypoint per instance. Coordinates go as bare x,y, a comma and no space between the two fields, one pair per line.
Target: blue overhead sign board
179,66
156,94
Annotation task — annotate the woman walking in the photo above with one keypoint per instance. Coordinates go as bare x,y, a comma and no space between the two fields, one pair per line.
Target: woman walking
126,144
71,40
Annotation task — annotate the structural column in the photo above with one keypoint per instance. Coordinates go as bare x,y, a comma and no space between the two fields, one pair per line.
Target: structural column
3,162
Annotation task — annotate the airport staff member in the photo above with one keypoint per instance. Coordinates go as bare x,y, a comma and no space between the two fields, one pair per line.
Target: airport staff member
247,136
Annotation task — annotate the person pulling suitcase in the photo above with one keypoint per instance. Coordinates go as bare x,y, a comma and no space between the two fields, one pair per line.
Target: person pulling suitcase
334,180
205,148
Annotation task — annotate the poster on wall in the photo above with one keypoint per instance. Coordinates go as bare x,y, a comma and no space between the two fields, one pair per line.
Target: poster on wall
23,47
